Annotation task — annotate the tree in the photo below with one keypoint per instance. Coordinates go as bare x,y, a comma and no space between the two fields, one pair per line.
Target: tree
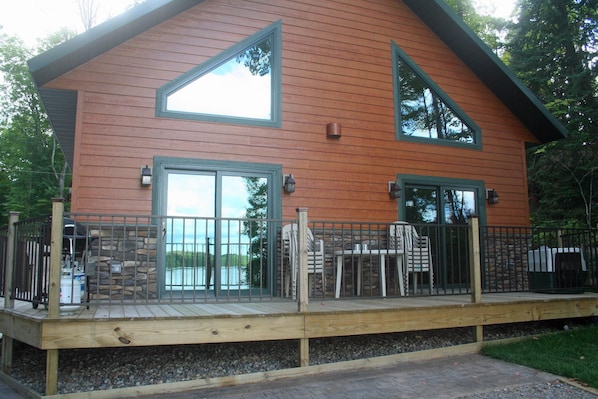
490,29
553,48
32,167
256,227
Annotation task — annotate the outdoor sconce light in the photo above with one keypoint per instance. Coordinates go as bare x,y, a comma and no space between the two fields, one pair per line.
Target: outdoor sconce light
394,190
288,184
333,130
146,176
492,196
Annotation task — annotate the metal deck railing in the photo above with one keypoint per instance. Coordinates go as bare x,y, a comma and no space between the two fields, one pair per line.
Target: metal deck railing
118,259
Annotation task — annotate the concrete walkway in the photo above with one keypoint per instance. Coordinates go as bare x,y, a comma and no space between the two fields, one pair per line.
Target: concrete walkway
452,377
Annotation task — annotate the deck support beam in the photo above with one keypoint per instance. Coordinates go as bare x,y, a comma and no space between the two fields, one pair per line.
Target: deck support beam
304,352
51,372
7,349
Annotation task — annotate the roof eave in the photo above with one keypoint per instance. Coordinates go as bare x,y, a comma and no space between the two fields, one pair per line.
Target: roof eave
88,45
448,26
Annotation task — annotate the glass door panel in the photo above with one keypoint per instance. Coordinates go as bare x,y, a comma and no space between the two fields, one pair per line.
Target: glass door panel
243,243
188,241
442,207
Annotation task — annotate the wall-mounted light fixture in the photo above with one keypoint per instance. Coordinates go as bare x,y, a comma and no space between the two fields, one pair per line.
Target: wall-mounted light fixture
394,189
146,176
288,184
491,196
333,130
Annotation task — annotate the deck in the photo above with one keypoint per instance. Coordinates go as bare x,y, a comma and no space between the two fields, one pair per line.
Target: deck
132,314
130,325
161,324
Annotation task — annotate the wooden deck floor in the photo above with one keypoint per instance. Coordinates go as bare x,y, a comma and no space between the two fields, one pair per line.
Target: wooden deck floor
168,324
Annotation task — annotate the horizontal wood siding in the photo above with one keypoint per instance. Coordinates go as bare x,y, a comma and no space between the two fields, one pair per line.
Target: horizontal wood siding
337,67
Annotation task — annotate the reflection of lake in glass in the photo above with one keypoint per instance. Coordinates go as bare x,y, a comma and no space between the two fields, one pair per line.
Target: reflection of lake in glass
189,278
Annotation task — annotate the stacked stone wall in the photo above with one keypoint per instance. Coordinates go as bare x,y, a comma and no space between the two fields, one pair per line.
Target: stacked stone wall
505,262
122,262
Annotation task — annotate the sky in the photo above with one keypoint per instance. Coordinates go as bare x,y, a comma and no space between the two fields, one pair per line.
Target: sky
33,19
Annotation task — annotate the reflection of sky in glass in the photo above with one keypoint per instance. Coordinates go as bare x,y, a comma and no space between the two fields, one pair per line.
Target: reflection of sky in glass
191,195
229,90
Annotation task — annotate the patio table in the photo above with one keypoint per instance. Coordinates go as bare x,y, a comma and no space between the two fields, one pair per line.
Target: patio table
362,253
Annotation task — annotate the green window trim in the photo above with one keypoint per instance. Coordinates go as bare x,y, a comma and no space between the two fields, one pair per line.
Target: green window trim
400,56
272,32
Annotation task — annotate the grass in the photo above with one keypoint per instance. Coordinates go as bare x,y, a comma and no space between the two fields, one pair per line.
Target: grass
572,353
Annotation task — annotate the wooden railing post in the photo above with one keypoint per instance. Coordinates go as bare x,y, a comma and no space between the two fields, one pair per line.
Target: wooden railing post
302,279
55,258
11,239
474,260
9,303
54,289
302,275
475,270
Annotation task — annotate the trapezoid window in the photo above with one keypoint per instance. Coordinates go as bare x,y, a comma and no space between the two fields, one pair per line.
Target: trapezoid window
241,85
424,111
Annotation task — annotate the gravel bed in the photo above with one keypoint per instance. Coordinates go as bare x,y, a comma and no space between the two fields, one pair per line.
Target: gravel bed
79,369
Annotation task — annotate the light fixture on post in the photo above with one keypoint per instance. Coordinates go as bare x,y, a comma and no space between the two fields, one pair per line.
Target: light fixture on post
146,176
394,189
288,184
492,196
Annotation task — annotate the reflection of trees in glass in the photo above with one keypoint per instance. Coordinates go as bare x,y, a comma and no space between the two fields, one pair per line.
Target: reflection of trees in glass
256,228
424,114
257,58
457,207
422,205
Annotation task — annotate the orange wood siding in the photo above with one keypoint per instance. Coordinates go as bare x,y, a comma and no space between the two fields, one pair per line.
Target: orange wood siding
336,67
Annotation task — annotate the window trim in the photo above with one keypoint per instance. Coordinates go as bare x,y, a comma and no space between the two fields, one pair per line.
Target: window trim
397,53
274,30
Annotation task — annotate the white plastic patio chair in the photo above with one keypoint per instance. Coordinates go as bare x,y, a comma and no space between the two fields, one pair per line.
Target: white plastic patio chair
315,256
418,252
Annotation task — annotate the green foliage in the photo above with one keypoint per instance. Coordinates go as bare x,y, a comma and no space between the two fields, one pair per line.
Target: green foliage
32,167
488,28
572,354
256,227
179,259
553,49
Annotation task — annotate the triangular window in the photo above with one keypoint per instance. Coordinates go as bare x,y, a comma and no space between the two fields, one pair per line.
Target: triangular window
241,85
424,111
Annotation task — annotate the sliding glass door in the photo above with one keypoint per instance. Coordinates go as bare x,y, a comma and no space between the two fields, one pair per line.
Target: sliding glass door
215,233
445,205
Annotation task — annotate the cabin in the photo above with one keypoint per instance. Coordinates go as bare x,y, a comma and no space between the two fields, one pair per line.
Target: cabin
196,130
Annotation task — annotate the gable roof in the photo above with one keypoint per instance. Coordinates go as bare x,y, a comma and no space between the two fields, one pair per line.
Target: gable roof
440,18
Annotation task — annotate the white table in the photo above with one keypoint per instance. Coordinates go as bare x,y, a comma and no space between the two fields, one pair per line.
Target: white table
360,254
